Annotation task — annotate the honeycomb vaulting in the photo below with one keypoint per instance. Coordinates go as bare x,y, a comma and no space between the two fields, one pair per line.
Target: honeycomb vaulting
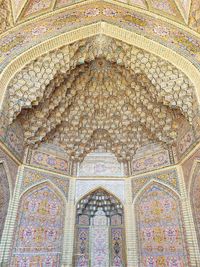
100,92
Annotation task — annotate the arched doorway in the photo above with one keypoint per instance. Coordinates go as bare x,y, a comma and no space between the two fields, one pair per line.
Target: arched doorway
99,237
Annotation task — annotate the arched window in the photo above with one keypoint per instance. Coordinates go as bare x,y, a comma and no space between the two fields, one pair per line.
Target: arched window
100,237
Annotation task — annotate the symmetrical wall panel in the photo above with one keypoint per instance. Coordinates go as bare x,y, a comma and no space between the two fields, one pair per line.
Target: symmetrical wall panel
160,228
39,230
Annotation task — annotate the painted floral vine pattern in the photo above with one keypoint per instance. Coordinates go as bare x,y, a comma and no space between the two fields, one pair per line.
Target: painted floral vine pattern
24,37
160,228
38,238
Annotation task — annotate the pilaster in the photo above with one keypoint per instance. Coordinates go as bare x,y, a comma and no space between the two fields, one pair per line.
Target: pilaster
10,223
192,243
67,259
130,227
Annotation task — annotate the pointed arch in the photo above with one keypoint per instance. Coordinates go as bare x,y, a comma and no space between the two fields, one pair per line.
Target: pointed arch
39,227
99,233
19,62
48,182
160,228
161,183
98,187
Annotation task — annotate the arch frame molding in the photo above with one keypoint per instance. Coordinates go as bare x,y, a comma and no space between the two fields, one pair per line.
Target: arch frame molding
109,30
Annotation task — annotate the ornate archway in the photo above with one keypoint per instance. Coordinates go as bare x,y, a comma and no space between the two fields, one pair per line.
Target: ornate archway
39,230
100,239
160,227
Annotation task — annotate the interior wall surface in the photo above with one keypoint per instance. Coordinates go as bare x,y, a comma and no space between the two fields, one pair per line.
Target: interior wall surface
163,191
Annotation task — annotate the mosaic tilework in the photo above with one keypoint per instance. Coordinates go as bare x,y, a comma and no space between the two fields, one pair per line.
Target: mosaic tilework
48,161
82,247
100,246
151,162
32,177
184,144
36,6
194,21
169,177
188,164
117,247
12,137
39,231
4,197
17,41
100,164
12,166
62,3
99,231
195,197
160,228
164,5
114,186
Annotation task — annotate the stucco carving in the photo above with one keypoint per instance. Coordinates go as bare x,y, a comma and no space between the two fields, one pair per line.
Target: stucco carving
100,92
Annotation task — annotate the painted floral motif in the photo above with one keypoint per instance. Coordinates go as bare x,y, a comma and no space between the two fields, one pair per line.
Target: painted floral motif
82,247
100,164
195,15
47,161
117,247
100,246
17,42
185,142
38,238
13,137
163,5
150,162
37,5
169,177
160,229
99,231
32,177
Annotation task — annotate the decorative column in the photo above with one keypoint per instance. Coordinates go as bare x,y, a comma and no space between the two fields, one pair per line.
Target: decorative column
192,242
10,223
130,226
68,242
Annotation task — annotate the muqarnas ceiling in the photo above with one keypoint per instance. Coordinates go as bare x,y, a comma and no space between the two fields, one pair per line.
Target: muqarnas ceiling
100,93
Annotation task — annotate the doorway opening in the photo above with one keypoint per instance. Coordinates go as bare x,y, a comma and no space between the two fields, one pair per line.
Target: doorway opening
100,235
